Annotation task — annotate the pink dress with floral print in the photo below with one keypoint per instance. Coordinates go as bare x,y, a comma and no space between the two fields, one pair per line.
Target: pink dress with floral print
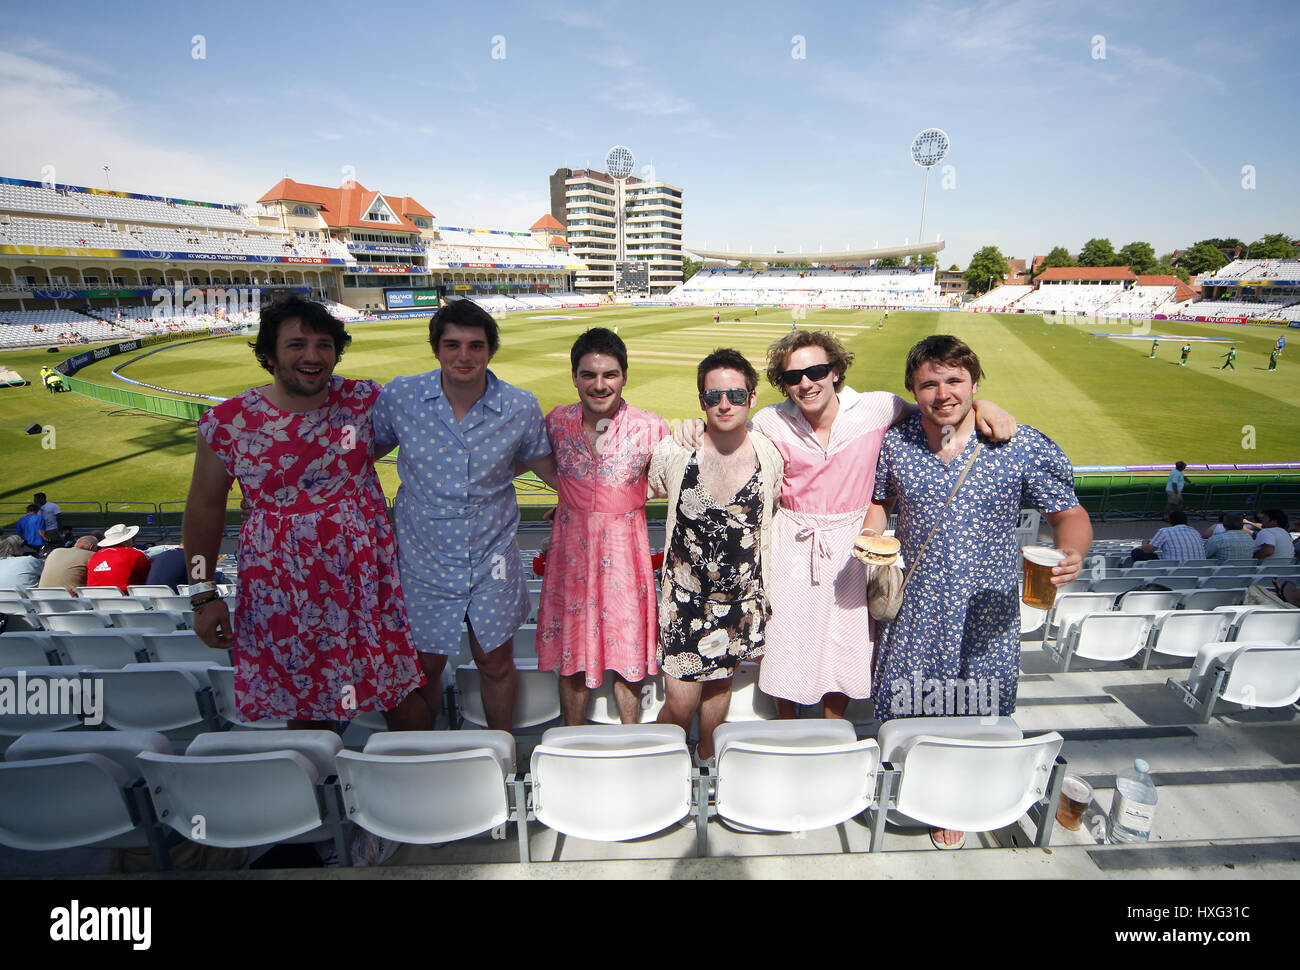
597,611
320,628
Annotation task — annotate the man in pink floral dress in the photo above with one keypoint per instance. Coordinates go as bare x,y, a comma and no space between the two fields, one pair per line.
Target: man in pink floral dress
320,630
597,611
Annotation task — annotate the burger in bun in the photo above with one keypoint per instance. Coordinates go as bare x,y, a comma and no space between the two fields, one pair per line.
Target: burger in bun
876,550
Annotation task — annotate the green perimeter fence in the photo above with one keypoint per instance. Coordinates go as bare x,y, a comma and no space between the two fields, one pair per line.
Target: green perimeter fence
167,407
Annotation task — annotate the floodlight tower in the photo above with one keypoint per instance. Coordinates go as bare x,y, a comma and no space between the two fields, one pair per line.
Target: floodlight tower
618,165
929,148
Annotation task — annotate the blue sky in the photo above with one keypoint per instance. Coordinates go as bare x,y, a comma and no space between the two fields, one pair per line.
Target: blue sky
1051,142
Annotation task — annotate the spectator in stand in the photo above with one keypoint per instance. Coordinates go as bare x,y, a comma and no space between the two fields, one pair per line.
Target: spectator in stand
168,567
116,563
1174,489
1233,542
66,568
51,513
19,572
32,528
12,545
1273,541
1178,542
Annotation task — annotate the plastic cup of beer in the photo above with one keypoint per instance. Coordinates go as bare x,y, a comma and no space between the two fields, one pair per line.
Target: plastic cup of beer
1039,591
1076,796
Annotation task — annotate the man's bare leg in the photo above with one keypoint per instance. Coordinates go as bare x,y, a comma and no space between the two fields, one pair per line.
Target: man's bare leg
714,702
498,680
411,714
628,698
313,726
784,708
682,698
834,704
574,696
433,665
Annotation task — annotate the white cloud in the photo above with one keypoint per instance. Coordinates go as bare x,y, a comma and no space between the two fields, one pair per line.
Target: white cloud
54,116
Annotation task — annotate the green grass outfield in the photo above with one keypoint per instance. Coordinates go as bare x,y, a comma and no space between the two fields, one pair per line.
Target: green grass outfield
1101,399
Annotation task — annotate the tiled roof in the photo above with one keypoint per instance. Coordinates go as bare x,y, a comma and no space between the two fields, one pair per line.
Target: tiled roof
547,221
344,206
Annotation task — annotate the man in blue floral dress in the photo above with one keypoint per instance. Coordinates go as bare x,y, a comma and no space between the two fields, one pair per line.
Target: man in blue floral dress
954,647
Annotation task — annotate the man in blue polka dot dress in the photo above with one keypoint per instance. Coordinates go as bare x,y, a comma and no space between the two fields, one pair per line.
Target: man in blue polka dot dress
464,435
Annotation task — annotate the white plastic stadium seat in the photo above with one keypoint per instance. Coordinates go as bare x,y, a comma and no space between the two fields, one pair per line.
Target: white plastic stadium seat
792,776
46,607
1208,599
42,595
99,592
170,601
604,705
1120,584
537,701
1254,674
958,773
1104,636
119,746
28,649
102,648
1069,608
176,646
75,621
58,680
222,680
251,787
1149,601
65,802
123,605
612,782
147,591
152,621
156,696
425,787
1280,625
1182,633
74,789
748,703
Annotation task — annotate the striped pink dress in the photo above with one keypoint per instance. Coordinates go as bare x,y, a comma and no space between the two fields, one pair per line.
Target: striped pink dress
819,636
598,609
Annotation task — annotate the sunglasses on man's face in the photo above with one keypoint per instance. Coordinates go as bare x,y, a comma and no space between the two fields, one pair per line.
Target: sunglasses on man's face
736,395
815,373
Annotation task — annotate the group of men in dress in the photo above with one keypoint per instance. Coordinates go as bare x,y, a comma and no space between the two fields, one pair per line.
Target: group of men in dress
337,614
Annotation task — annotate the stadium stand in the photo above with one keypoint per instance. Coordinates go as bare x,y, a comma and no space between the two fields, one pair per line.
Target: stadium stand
1141,300
822,287
999,297
1061,298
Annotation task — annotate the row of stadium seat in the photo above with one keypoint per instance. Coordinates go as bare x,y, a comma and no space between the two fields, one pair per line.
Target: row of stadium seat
436,787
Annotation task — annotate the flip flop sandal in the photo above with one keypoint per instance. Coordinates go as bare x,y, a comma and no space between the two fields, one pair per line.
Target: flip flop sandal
940,845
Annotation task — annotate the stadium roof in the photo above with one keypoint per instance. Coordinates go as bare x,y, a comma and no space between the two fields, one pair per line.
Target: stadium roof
854,257
1087,273
342,207
548,221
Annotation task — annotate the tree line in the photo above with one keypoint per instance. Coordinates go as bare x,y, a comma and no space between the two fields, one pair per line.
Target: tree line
988,266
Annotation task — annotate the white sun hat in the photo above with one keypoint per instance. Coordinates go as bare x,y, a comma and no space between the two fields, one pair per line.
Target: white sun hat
118,534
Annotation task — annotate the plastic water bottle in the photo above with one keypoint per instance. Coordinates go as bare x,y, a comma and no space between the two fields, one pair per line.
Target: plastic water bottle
1134,805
